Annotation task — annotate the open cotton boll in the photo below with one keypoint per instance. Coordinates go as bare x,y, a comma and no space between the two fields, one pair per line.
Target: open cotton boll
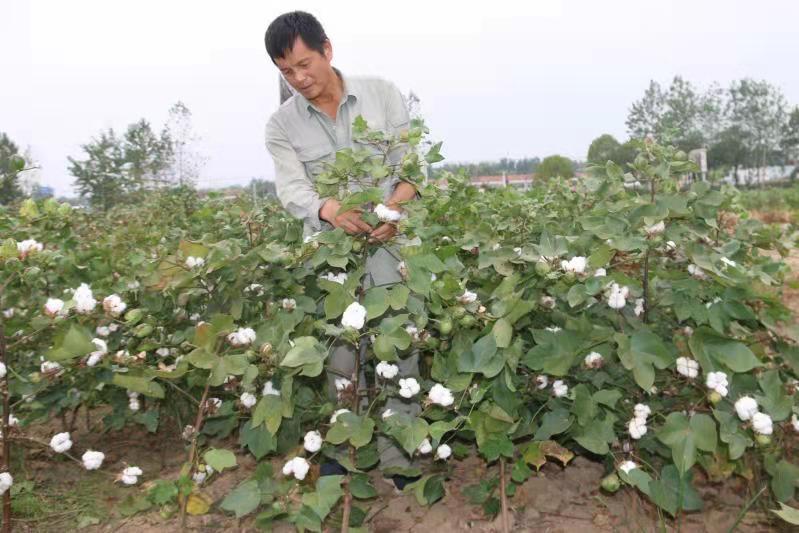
795,423
425,447
728,262
467,297
53,307
194,262
269,390
312,441
84,300
642,411
618,296
92,460
130,475
339,278
248,399
242,337
354,316
50,367
28,246
636,428
656,229
697,272
296,466
342,384
386,370
114,305
762,424
687,367
746,407
443,452
386,214
576,265
560,389
440,395
61,442
388,413
6,481
594,360
3,370
717,381
541,381
627,466
409,387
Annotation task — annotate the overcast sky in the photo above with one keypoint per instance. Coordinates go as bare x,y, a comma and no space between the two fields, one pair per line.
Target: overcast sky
495,78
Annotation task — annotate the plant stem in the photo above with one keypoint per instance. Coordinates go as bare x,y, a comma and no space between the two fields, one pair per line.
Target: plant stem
198,422
646,286
503,498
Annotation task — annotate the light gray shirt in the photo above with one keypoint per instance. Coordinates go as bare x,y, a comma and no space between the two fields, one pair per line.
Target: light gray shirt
302,138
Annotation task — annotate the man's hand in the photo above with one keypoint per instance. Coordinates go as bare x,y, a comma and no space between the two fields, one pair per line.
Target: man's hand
383,233
349,221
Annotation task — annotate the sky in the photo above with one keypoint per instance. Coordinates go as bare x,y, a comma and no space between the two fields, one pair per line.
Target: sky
495,79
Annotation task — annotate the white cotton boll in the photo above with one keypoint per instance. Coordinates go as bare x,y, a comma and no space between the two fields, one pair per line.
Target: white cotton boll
242,337
641,411
594,360
440,395
100,344
354,316
339,278
746,407
617,298
696,272
130,475
103,331
541,381
296,466
636,428
728,262
386,370
795,423
402,268
289,304
656,229
13,421
560,389
94,359
467,297
248,399
194,262
687,367
84,300
639,307
386,214
114,305
3,370
342,384
312,441
671,245
53,307
413,331
600,273
92,460
61,442
337,414
9,313
29,246
409,387
762,424
163,351
134,405
717,381
6,481
576,264
50,367
388,413
553,329
547,302
425,447
518,251
269,390
199,477
627,466
443,452
113,327
213,403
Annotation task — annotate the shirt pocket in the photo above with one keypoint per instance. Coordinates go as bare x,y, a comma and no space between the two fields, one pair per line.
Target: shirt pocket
315,158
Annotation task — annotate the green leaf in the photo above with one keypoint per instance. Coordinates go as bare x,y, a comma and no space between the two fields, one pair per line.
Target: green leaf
482,358
268,410
672,493
787,513
784,480
71,343
495,446
350,427
398,297
361,487
307,353
503,332
408,431
163,492
141,384
257,439
220,458
328,492
244,499
684,436
376,302
715,352
553,423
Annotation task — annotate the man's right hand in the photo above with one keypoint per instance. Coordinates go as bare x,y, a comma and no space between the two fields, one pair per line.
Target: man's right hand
349,221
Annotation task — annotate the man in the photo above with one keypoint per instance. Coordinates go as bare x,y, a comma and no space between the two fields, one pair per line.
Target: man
304,134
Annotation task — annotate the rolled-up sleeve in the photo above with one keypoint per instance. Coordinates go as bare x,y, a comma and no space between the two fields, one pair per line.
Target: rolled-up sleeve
294,190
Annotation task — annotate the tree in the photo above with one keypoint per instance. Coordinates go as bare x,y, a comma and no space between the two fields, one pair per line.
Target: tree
101,176
186,161
646,114
758,110
555,165
730,151
10,165
602,149
790,137
147,155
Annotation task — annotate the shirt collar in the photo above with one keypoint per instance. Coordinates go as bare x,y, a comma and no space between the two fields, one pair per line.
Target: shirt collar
349,91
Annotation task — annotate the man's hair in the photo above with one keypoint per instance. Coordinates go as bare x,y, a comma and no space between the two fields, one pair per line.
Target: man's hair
284,30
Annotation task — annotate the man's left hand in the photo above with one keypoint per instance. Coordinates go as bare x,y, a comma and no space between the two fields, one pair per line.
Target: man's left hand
383,233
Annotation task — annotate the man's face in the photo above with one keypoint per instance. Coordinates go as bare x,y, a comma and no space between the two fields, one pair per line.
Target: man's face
306,70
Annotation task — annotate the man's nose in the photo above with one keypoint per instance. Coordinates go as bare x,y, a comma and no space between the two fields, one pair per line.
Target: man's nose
300,77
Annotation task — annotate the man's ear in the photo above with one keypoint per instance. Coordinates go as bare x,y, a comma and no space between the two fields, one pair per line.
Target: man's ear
328,48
